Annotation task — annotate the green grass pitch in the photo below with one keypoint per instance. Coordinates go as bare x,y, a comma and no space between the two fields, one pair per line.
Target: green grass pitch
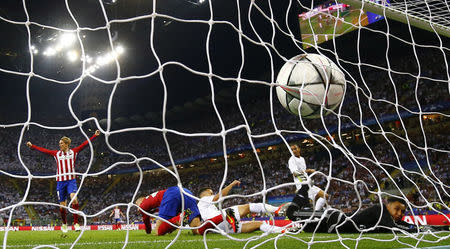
138,239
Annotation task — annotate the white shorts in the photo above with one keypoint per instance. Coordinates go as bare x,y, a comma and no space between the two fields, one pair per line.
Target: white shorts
312,192
225,226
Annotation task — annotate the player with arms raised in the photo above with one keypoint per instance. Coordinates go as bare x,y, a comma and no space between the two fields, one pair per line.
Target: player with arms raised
66,183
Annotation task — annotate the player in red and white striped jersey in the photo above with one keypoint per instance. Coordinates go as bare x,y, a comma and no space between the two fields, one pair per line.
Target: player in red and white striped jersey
66,183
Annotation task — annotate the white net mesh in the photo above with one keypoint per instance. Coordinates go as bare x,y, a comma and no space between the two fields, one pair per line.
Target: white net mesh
183,93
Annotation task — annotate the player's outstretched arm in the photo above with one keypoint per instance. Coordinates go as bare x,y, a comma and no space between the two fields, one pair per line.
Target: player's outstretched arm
43,150
85,143
227,189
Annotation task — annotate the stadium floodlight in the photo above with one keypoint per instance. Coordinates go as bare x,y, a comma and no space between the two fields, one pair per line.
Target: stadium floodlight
49,51
101,60
34,50
88,59
90,69
72,55
119,49
67,39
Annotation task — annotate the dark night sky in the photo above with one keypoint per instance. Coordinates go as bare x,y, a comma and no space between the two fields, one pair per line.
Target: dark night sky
173,41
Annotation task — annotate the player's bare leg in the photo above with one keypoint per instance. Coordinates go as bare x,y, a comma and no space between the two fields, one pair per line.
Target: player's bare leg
321,194
158,223
244,210
195,223
251,226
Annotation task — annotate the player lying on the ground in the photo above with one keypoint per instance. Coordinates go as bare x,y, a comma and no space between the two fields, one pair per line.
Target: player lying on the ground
380,218
377,218
66,183
297,166
169,203
208,210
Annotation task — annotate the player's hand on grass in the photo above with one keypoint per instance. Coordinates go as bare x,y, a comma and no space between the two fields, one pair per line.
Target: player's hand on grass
29,144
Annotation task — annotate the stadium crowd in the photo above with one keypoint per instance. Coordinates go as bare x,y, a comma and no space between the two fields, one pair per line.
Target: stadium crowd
372,162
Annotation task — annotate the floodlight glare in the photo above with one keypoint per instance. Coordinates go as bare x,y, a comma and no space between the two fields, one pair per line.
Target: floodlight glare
101,60
33,49
72,55
91,69
119,49
67,39
49,51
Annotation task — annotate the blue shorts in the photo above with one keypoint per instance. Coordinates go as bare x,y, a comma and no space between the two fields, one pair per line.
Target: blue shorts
117,220
65,188
171,204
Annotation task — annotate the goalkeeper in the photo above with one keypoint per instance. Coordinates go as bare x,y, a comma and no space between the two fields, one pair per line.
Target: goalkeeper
378,218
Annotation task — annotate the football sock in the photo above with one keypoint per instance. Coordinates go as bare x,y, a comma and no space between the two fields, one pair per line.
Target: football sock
75,216
261,208
269,228
168,228
62,211
206,225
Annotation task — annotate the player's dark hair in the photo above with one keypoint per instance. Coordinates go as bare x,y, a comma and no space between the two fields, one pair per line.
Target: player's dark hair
394,199
203,190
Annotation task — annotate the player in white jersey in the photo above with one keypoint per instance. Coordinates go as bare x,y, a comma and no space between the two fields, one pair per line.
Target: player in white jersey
297,166
66,183
208,209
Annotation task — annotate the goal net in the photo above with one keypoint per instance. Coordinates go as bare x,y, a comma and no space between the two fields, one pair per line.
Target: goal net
183,92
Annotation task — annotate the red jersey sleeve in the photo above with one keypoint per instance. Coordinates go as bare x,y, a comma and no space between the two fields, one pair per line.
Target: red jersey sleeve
44,150
83,145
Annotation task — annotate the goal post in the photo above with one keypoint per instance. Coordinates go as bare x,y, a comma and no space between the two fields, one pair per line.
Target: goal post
414,13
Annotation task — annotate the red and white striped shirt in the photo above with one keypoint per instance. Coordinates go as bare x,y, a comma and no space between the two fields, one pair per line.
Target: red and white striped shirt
65,161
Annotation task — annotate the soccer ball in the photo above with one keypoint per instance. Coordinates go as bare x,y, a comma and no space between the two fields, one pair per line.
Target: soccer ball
308,82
